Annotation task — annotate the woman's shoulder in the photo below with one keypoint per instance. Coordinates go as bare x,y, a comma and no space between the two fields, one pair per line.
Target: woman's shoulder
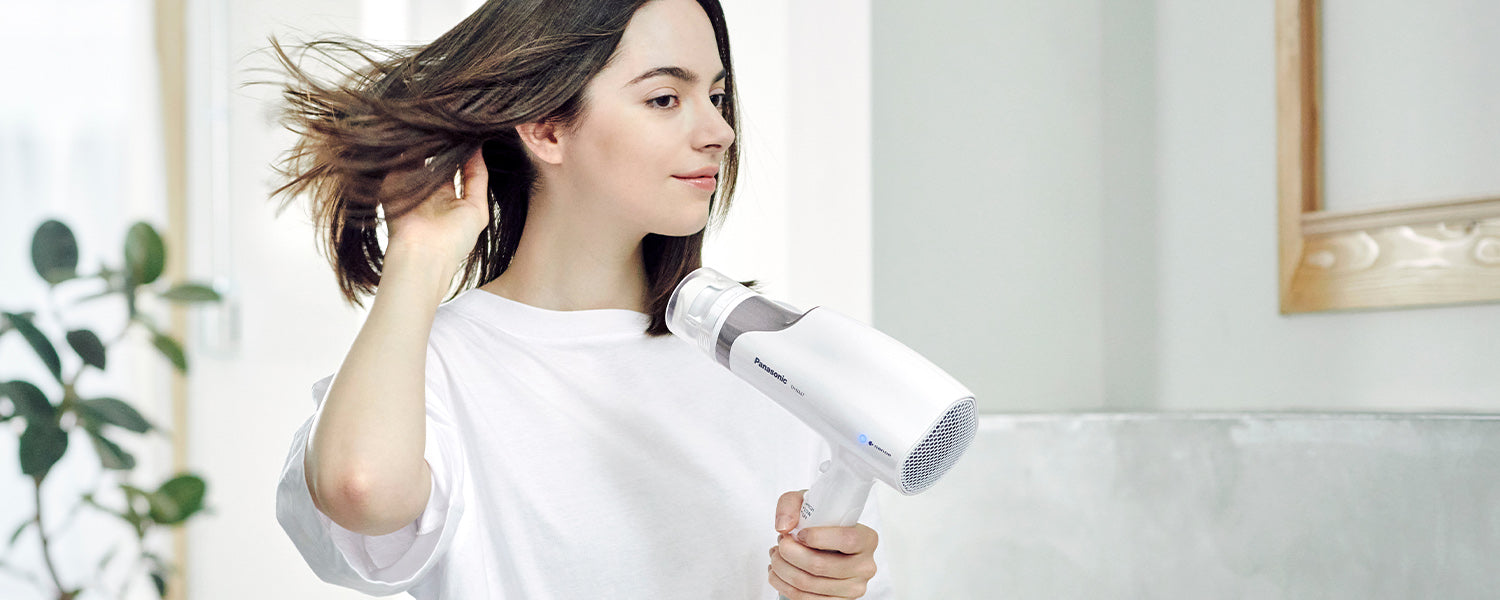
470,309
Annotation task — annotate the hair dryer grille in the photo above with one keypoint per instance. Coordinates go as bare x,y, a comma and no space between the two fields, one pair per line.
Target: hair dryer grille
941,449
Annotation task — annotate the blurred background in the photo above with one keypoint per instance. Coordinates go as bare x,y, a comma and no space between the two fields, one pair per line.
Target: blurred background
1070,205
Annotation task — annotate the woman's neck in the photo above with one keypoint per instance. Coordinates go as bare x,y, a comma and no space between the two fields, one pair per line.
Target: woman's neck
571,262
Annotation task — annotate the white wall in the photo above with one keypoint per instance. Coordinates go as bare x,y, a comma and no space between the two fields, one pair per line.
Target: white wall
1425,72
1129,277
1075,209
988,212
247,395
1222,343
800,220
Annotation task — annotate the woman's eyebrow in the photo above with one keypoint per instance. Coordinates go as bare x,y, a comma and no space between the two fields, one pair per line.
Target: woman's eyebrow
676,72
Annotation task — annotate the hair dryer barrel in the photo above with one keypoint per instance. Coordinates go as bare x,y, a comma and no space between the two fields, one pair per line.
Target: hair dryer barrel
888,412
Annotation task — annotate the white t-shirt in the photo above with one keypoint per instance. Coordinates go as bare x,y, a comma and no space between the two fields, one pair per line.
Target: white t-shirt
573,456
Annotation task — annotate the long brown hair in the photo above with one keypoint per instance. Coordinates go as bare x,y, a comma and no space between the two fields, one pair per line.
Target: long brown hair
393,109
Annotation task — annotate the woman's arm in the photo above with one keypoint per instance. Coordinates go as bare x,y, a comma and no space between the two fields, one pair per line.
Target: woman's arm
364,462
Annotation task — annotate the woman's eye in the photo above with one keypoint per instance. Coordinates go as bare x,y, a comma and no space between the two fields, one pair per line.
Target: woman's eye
670,101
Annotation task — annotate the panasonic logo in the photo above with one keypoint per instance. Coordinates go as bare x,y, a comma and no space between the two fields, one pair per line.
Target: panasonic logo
768,369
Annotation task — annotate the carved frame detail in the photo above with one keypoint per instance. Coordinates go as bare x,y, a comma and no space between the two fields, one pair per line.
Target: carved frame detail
1431,253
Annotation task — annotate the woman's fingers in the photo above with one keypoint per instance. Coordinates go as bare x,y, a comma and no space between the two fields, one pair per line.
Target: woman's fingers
451,217
848,540
473,177
819,572
792,591
825,563
789,510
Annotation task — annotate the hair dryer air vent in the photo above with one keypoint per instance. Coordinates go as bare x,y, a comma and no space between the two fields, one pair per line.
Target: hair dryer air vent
940,449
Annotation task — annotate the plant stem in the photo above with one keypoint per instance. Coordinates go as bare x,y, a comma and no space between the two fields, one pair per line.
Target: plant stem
42,533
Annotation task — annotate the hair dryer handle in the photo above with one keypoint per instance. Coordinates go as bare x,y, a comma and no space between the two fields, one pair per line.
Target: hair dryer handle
838,496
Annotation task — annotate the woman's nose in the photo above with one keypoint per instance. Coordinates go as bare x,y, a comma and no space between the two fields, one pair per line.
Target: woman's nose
715,129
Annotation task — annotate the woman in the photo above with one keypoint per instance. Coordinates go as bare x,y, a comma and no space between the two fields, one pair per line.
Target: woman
541,435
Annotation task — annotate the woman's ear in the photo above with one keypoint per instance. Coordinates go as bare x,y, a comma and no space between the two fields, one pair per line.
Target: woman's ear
543,140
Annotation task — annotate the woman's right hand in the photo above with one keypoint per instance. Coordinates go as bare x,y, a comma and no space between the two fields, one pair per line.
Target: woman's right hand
446,222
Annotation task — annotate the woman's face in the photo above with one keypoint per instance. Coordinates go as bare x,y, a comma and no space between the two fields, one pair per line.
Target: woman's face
651,117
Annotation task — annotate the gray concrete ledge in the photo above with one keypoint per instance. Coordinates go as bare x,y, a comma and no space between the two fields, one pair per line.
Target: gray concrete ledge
1208,505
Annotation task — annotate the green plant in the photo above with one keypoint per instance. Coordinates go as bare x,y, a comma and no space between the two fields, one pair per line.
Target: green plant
50,425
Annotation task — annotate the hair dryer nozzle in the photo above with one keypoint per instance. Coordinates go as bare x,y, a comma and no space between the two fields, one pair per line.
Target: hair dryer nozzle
698,307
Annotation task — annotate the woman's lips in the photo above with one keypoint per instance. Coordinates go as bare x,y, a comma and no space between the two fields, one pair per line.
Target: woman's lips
706,184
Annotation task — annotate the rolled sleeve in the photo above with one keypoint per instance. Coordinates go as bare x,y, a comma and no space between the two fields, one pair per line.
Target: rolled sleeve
385,564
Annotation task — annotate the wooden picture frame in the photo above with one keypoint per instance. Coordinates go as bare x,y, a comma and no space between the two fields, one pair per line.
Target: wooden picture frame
1428,253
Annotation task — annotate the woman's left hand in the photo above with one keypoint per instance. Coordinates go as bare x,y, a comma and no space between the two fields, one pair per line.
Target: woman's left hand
820,562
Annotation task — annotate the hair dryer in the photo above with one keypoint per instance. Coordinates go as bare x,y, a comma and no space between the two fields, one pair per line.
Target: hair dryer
887,412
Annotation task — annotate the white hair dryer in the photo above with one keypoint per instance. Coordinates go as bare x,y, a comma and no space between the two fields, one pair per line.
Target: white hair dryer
887,412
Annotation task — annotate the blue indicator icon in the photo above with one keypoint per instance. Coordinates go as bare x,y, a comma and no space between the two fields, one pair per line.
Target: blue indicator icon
863,439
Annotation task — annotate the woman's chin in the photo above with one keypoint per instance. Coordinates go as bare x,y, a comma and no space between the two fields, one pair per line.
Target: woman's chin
684,227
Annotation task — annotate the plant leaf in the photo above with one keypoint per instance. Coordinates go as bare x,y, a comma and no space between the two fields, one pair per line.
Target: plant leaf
19,530
187,293
31,404
88,347
5,325
145,256
111,455
161,583
38,342
97,412
54,252
178,499
170,349
42,444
